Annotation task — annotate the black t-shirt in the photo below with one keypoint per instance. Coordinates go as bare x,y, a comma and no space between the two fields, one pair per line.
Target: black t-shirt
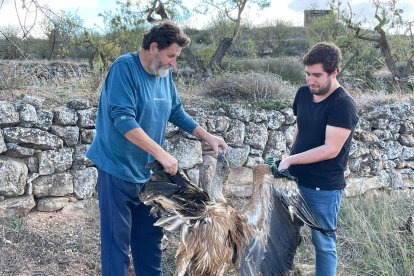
338,110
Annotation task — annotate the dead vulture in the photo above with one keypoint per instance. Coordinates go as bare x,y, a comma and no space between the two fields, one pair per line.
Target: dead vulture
259,240
213,234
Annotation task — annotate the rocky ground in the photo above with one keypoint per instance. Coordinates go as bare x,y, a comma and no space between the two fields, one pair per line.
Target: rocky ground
59,243
66,243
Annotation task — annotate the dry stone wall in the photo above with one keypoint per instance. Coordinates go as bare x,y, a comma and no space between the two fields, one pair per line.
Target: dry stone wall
43,163
46,70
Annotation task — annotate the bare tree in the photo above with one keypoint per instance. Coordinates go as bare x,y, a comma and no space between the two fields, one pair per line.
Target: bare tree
387,16
233,10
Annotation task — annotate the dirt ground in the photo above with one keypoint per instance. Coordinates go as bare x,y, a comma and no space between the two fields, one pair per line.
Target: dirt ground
62,243
52,243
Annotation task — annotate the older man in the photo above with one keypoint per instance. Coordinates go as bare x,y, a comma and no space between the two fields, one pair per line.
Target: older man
137,100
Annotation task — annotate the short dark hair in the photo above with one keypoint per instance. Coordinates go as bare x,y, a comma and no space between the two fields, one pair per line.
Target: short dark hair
165,33
326,53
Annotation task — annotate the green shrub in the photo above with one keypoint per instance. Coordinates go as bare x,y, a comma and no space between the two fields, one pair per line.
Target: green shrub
204,54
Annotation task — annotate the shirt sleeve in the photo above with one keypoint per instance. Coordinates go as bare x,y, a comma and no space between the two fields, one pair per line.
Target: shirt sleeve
120,87
298,95
178,115
343,113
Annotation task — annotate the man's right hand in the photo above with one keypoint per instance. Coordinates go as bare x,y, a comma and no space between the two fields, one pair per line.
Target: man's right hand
142,140
169,162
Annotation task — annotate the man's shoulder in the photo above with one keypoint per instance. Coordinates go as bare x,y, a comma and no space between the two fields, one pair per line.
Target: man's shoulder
303,91
343,96
303,88
129,57
125,63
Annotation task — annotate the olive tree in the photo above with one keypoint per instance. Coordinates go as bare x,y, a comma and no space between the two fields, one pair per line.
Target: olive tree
391,34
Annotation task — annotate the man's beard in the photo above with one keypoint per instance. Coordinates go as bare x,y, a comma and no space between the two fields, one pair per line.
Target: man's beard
322,90
158,69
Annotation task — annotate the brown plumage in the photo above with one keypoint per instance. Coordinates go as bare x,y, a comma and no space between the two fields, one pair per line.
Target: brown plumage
213,243
260,240
213,234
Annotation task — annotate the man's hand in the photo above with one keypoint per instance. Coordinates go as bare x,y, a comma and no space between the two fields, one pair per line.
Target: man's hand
169,162
284,164
217,143
214,141
142,140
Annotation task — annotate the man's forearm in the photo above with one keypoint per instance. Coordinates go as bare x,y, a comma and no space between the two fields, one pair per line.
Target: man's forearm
138,137
200,133
314,155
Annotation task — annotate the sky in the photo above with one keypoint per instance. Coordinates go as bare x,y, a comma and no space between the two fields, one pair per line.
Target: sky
286,10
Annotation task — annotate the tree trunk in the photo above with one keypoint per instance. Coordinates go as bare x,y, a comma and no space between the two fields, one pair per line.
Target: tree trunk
192,61
386,53
52,46
222,48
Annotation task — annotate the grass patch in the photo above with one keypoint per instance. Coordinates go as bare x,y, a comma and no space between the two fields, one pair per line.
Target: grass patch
265,90
14,224
369,239
288,68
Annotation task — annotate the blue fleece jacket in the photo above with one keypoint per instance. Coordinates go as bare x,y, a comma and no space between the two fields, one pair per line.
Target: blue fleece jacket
132,98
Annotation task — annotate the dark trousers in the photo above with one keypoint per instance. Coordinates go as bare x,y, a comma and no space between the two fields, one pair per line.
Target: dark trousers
127,224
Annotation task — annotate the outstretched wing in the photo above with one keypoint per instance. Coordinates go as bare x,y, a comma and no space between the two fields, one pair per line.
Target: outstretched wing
272,250
289,193
278,211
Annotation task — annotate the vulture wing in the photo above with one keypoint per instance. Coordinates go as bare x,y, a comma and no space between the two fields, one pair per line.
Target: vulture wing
174,194
213,234
277,210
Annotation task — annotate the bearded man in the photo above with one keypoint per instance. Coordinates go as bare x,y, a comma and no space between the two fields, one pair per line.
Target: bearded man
137,100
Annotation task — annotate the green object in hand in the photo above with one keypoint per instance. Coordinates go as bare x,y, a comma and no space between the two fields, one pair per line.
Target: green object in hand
270,160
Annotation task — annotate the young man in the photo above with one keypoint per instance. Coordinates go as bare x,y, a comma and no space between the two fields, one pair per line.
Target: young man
137,100
326,117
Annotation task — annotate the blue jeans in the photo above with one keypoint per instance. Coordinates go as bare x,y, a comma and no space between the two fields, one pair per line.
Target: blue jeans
126,223
325,207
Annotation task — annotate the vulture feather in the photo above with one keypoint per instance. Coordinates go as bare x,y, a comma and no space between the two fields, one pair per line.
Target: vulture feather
213,234
259,240
277,210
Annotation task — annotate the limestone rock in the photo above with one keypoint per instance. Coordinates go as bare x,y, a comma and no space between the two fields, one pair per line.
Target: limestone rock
84,182
16,206
69,134
32,137
87,118
8,114
59,184
13,175
52,161
65,116
236,133
51,204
